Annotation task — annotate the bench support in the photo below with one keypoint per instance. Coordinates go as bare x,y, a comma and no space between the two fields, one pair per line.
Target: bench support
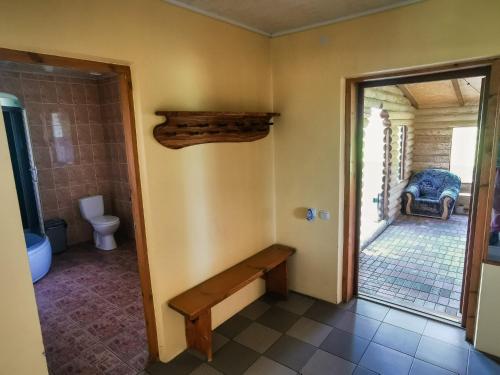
199,333
196,303
276,280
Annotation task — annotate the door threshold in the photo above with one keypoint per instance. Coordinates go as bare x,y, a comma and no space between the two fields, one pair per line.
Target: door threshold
413,310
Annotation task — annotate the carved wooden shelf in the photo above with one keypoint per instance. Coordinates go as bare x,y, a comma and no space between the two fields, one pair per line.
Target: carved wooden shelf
182,129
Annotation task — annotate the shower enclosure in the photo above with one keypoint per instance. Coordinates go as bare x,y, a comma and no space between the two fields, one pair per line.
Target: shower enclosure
23,166
25,177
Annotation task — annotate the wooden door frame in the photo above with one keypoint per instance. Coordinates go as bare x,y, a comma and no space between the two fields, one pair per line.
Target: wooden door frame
127,109
483,178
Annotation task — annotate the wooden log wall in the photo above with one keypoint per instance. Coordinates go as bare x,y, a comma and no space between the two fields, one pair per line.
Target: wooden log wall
401,112
433,133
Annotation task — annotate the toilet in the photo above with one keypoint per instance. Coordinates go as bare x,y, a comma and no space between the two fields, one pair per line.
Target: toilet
92,210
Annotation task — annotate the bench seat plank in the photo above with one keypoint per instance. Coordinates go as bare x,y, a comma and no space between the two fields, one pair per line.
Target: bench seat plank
198,299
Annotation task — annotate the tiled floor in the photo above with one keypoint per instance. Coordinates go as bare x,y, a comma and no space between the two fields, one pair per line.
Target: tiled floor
312,337
417,262
91,312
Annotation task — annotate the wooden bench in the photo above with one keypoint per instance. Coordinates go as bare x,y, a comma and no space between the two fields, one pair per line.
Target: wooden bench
196,303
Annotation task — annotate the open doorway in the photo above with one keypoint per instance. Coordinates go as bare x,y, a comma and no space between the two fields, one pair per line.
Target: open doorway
418,151
70,130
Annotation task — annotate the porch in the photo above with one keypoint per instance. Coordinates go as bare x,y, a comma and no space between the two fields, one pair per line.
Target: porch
417,262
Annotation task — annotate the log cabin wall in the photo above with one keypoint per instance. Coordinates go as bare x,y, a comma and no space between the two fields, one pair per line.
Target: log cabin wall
433,130
401,113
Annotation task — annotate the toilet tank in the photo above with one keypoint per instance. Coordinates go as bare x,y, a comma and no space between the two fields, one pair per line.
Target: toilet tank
91,206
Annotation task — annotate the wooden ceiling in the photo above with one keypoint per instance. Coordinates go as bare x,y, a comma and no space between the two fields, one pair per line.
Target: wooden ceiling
278,17
448,93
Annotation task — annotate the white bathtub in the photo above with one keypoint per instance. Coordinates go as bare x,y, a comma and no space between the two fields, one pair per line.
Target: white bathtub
39,254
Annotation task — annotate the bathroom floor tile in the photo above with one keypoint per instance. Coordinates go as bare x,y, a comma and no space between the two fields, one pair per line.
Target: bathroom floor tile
84,303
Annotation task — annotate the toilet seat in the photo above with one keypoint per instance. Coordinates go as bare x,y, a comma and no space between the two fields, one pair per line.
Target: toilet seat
104,220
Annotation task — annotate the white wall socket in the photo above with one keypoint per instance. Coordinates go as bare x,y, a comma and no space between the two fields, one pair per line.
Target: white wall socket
324,214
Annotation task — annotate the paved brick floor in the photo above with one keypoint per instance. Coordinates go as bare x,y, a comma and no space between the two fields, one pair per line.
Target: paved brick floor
310,337
91,312
417,262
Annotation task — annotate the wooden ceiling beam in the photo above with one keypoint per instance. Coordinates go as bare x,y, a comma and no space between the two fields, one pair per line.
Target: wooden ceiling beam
407,93
458,92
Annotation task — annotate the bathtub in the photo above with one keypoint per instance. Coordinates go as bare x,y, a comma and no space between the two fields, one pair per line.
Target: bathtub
39,254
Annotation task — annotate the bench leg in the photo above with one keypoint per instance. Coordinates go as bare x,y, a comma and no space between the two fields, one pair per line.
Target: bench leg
277,280
199,334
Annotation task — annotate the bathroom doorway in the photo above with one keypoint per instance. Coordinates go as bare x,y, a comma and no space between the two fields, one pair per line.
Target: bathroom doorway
71,134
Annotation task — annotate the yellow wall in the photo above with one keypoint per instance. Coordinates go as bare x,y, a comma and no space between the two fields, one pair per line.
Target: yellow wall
21,346
488,324
209,206
309,70
206,207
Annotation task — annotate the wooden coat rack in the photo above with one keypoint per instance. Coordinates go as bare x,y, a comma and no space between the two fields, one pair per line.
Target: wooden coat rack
184,128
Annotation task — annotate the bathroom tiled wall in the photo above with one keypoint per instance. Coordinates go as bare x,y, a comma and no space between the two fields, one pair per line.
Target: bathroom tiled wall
74,134
115,144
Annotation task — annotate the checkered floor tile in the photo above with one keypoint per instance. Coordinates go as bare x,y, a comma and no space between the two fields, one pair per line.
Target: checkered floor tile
307,336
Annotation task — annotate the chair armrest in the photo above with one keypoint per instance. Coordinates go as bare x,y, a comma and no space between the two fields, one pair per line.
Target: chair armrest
451,192
413,190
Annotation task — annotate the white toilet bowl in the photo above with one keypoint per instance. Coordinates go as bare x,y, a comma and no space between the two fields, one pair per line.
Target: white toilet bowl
105,226
104,230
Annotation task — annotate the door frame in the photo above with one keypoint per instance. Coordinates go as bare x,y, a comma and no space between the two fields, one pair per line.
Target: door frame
124,76
483,175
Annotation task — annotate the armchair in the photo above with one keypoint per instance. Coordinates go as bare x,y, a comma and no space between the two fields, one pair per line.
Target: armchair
431,192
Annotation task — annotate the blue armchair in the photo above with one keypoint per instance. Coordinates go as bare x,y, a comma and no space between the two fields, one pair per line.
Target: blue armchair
431,192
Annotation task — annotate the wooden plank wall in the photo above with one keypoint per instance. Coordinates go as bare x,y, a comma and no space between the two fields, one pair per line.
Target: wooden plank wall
401,112
433,132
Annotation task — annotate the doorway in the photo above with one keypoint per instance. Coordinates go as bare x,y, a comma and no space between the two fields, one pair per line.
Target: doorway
483,182
418,156
71,133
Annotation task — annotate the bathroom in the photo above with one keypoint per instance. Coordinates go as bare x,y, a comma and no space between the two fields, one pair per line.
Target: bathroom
88,292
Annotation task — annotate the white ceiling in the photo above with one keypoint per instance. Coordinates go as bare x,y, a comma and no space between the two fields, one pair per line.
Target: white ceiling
278,17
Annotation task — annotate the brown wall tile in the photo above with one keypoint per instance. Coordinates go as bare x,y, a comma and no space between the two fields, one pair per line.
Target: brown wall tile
86,154
34,113
97,133
46,179
49,199
81,114
84,136
48,93
31,90
38,136
92,94
78,91
101,153
94,112
78,191
64,95
78,145
63,198
60,177
41,155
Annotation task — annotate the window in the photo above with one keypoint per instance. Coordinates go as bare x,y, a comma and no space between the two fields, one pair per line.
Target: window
403,135
463,149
